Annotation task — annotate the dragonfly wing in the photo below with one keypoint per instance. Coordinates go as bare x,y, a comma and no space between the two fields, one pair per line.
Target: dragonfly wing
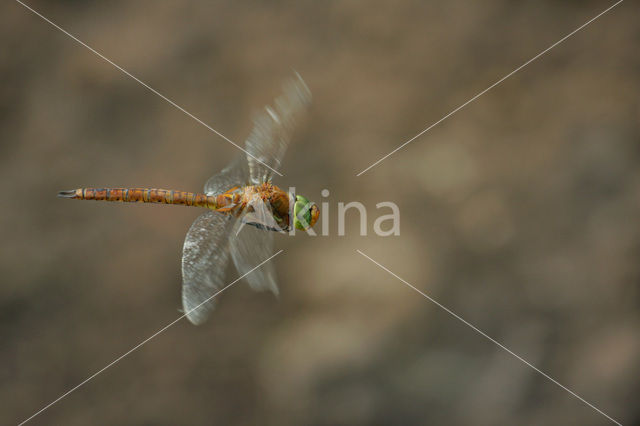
258,213
235,174
249,247
273,128
204,259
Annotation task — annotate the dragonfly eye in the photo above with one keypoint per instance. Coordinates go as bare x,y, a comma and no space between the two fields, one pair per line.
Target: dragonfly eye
305,213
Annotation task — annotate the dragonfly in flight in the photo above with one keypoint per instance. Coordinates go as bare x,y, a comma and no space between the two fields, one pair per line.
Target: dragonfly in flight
241,194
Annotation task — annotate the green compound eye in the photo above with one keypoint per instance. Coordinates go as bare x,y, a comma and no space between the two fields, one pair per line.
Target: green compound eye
305,213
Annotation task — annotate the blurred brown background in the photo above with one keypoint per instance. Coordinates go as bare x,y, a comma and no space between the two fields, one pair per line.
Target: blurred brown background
519,213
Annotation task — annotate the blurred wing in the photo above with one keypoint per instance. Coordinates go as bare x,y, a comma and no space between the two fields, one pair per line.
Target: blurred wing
273,128
204,259
235,174
249,247
259,214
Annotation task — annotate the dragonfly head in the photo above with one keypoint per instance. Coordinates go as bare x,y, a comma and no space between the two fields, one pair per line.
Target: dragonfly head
305,213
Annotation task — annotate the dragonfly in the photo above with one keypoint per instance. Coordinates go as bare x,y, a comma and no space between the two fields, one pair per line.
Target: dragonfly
244,208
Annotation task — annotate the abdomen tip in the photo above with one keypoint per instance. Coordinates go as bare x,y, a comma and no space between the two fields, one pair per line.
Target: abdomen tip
67,194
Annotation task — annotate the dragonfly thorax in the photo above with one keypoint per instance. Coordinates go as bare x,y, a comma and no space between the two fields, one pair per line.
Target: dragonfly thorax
266,206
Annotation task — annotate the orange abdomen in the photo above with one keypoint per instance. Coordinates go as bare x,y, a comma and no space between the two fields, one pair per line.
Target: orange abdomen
151,195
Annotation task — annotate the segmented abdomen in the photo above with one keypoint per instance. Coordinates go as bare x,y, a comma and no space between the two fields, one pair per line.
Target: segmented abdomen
149,195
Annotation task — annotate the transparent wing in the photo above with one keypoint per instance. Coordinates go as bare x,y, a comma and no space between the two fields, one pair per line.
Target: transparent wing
204,259
235,174
259,214
249,247
273,128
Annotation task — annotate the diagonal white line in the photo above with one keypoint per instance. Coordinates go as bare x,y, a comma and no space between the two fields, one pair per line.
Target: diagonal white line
476,329
148,87
491,87
142,343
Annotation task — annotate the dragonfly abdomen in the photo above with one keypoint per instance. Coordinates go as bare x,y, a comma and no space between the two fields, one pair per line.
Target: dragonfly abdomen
146,195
